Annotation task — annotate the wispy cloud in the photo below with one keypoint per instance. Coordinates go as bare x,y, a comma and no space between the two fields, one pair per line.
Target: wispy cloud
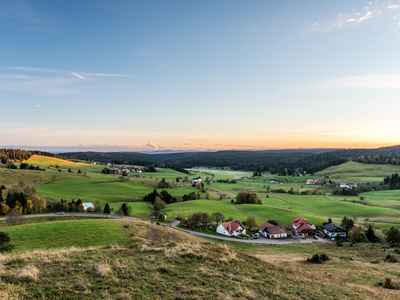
373,11
376,81
77,75
46,80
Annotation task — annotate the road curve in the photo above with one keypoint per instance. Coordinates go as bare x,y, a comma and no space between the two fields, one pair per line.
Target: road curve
175,223
261,240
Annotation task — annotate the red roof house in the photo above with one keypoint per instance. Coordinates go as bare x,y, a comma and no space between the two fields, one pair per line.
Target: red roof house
303,227
232,228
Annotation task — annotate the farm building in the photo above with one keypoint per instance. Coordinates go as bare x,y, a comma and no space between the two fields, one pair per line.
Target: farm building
277,232
332,231
232,228
273,232
263,228
303,227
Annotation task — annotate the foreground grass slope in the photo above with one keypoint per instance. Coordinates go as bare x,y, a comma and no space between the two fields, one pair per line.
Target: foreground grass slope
164,263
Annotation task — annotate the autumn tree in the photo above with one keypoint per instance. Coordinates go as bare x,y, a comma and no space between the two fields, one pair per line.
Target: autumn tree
38,204
218,217
247,197
251,223
159,204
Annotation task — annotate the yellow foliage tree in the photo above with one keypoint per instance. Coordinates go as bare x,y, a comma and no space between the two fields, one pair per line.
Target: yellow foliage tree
4,208
38,204
28,207
18,206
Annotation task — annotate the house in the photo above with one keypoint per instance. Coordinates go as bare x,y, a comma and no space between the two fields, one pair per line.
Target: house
154,215
277,232
232,228
197,180
263,228
303,227
273,232
310,181
88,206
332,231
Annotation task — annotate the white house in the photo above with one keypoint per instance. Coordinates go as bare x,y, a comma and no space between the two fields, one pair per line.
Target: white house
232,228
277,232
332,231
89,206
197,180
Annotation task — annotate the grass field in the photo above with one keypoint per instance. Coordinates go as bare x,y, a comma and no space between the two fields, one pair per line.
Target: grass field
358,172
208,206
91,186
65,234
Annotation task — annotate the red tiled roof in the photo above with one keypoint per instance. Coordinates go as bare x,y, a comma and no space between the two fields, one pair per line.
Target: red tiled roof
299,220
277,230
265,225
303,224
232,226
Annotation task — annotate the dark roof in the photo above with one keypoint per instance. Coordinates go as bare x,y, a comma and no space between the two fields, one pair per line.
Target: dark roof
331,227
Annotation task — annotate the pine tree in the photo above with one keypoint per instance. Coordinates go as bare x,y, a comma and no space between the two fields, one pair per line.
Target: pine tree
107,209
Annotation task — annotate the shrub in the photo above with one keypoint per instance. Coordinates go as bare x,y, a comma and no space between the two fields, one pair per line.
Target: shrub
391,259
388,284
318,259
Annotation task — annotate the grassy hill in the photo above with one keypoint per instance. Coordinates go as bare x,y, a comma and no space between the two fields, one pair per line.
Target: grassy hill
52,161
359,172
165,263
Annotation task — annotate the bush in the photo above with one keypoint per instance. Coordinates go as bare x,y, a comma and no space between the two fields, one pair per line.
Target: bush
318,259
391,259
388,284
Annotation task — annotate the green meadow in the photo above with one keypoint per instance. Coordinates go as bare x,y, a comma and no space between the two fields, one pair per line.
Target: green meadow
358,172
91,186
66,234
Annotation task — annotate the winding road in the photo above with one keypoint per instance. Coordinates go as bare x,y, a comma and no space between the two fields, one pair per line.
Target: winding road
174,225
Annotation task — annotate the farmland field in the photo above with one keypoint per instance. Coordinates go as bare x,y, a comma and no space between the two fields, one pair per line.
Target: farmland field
91,186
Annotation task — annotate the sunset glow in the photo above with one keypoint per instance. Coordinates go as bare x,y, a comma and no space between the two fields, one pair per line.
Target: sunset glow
199,75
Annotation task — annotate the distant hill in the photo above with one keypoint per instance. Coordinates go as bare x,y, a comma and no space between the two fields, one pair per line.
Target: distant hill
285,162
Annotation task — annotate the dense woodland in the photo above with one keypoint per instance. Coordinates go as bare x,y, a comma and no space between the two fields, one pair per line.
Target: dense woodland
282,162
21,155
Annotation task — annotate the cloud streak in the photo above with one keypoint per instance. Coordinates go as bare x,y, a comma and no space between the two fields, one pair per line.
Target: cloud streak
375,81
77,75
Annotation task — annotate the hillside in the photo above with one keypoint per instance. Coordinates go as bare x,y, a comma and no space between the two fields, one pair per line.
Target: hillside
52,161
276,161
164,263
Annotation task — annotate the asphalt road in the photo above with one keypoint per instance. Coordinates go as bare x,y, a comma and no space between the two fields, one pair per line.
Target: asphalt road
175,223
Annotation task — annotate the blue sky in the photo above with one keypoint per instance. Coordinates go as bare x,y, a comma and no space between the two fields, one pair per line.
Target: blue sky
199,74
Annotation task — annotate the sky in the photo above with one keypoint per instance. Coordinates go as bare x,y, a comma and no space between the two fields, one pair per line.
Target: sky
113,75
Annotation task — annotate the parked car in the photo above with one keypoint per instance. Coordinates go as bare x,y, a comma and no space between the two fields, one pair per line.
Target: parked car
315,237
256,236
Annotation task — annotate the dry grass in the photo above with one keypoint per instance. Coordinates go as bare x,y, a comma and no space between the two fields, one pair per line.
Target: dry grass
103,269
187,268
29,273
